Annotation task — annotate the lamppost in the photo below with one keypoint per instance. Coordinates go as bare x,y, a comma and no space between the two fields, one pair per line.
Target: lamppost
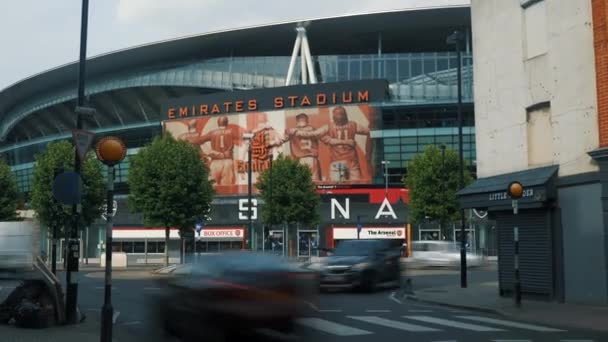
270,202
456,39
249,137
110,151
385,163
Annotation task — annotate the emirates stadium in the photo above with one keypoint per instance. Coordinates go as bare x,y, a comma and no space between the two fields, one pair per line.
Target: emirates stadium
385,82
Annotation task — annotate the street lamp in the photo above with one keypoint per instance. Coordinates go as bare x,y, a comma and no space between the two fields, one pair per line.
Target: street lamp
110,151
249,137
385,163
456,39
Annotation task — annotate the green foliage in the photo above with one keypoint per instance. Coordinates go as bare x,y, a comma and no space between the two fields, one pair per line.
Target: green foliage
432,178
9,195
293,197
60,156
169,184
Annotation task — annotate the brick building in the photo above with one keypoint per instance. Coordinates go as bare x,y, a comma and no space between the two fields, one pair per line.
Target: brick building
541,99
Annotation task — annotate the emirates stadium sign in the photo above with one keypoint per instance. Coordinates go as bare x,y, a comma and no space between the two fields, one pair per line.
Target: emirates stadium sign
324,126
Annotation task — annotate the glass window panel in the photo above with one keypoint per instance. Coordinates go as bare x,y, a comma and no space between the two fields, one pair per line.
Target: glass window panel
407,156
409,140
426,140
343,70
391,141
116,246
139,247
429,66
127,246
443,64
390,71
392,148
444,139
391,156
152,246
409,148
161,247
416,67
366,69
404,69
355,70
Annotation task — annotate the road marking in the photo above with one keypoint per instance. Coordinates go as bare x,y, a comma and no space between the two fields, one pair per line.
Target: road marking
372,310
394,299
393,324
132,323
510,324
452,324
331,327
115,316
416,310
330,310
151,288
312,306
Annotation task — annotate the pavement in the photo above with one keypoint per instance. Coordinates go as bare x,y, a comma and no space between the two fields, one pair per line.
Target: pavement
484,297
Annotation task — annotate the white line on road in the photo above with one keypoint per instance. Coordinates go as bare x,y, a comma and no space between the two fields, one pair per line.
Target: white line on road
372,310
510,324
394,299
416,310
115,316
314,307
393,324
452,324
331,327
131,323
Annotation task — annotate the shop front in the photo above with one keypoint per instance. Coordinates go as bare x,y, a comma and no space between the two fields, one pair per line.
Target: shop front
335,235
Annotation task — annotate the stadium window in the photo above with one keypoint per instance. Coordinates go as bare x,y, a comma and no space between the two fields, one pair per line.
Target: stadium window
426,140
392,148
409,148
355,70
404,69
429,66
392,156
127,246
416,67
390,70
139,247
391,141
366,70
442,64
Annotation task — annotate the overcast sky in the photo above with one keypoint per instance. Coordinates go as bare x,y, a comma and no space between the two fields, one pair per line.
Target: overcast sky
36,35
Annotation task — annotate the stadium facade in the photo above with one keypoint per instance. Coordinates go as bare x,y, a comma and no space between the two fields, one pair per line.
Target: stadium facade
133,91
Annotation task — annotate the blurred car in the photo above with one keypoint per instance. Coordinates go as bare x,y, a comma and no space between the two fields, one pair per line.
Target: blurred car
362,264
439,254
236,292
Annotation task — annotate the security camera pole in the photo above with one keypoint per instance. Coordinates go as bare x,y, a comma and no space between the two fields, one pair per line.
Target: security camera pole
516,191
110,151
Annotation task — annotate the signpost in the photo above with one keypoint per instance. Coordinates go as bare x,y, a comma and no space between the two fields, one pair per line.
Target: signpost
516,191
110,151
359,227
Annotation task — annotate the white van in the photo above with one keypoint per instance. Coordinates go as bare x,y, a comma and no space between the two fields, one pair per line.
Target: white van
16,246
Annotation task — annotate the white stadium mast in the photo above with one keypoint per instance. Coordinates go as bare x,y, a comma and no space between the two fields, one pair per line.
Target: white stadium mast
301,46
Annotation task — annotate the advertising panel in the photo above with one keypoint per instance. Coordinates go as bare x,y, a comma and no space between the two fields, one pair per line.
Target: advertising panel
334,142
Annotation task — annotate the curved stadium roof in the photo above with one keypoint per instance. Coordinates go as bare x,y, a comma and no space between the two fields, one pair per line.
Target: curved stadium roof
128,86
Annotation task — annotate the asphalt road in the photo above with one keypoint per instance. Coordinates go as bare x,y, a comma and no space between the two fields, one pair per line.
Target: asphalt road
352,317
426,278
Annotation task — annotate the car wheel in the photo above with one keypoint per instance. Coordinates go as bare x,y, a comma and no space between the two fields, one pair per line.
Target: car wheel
370,281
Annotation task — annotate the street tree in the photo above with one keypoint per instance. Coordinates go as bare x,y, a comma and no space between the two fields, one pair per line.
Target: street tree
9,195
170,186
290,196
59,156
432,178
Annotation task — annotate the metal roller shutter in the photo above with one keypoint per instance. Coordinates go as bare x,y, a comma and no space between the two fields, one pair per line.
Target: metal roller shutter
535,251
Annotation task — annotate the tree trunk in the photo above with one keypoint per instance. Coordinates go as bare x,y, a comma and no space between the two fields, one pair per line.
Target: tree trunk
181,249
167,246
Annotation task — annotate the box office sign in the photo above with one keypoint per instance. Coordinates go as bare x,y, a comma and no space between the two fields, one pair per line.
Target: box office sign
370,233
229,234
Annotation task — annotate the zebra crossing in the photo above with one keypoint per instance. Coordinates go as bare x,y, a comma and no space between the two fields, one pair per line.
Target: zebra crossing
360,325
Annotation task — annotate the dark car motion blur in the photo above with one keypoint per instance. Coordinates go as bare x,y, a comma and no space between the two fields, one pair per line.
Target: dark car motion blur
231,295
361,264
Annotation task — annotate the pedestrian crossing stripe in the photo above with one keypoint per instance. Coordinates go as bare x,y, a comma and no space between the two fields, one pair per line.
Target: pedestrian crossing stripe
393,324
331,327
510,324
434,325
453,324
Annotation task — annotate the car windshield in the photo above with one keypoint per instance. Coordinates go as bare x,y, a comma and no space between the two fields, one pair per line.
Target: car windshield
355,248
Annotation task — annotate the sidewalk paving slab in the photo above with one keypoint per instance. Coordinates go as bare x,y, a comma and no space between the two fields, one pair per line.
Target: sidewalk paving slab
86,331
485,297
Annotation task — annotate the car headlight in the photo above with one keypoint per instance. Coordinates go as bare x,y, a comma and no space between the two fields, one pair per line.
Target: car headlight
361,266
